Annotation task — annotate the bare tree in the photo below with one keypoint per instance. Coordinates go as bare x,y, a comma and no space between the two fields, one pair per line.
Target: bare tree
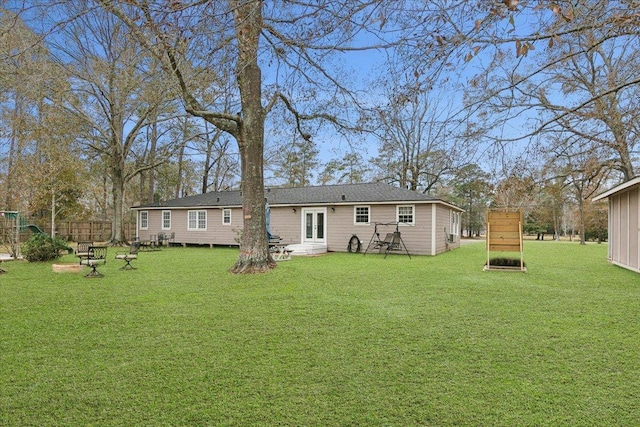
422,134
235,40
116,93
543,67
607,123
582,90
219,165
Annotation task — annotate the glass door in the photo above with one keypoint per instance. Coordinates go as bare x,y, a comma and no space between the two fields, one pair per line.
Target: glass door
314,225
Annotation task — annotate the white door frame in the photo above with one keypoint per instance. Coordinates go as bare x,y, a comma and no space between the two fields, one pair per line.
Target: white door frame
314,229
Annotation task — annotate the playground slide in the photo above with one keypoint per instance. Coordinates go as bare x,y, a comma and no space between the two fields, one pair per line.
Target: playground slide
36,230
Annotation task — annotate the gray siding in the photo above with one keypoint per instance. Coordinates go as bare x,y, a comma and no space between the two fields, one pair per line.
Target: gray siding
286,222
216,233
624,211
417,237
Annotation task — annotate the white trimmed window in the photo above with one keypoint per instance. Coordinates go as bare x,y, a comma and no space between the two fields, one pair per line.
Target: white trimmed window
197,220
405,214
455,223
226,216
361,215
144,220
166,220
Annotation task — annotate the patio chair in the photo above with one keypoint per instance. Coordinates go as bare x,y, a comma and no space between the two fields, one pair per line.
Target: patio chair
82,251
129,256
393,242
386,243
97,256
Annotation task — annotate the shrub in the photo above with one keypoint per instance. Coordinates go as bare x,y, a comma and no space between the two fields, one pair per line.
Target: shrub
41,247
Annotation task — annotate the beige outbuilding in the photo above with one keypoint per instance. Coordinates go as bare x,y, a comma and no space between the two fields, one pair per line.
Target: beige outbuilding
624,224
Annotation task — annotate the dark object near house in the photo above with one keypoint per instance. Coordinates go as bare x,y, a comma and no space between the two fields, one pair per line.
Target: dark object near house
507,263
354,244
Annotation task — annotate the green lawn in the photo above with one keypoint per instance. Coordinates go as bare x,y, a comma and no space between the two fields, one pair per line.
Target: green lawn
336,340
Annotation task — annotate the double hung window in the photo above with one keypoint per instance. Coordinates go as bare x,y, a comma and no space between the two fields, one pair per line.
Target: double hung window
405,214
166,220
361,215
144,220
197,220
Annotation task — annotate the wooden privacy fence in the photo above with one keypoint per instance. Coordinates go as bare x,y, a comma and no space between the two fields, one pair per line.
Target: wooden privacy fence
95,231
504,234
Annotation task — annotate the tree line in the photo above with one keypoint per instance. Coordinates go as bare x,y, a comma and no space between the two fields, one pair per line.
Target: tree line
108,104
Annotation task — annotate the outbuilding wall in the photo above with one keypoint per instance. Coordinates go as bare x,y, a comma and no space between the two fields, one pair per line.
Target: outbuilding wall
624,210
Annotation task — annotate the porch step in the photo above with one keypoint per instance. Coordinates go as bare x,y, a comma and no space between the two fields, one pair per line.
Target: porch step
307,249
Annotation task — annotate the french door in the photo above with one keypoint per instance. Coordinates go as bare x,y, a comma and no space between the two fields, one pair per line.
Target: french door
314,225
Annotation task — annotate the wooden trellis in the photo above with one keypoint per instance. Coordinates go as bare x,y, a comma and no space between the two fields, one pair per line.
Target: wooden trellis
504,234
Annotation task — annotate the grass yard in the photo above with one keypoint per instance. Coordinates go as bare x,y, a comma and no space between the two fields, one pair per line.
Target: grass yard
336,340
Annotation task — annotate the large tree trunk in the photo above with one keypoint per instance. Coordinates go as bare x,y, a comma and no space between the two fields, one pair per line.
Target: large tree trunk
117,189
180,159
116,230
151,158
254,246
207,161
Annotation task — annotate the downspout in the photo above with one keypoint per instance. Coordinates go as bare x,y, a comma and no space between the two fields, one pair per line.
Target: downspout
434,228
137,236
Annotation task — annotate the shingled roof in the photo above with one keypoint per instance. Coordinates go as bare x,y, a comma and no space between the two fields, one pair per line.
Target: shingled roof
376,192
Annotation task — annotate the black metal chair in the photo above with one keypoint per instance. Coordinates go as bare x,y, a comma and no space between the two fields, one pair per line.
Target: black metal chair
82,251
97,256
129,256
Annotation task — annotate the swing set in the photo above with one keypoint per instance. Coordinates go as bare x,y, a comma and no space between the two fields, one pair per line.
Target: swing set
391,242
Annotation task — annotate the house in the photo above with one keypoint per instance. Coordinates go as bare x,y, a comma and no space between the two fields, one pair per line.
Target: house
324,217
624,224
